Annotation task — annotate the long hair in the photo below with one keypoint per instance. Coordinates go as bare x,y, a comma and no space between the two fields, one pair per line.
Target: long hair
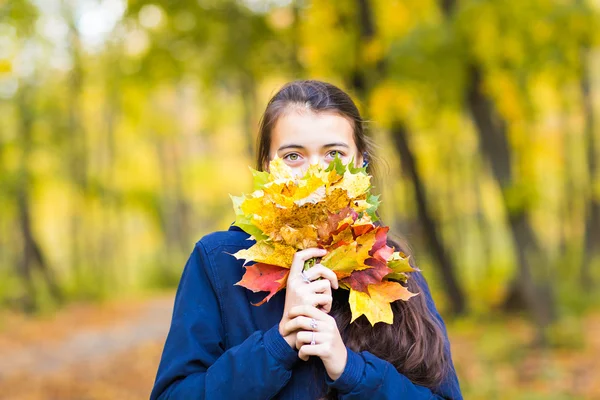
414,343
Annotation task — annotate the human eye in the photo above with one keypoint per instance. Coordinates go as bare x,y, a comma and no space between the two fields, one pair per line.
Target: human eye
292,157
333,153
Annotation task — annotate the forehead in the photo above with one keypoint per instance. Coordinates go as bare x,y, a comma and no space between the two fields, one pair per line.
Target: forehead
310,129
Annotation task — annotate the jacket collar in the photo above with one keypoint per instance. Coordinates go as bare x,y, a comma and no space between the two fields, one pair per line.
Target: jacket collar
232,227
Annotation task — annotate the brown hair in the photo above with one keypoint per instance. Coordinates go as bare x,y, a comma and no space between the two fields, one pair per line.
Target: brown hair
315,96
414,343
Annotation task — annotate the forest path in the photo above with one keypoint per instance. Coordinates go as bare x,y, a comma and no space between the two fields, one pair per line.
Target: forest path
85,351
112,350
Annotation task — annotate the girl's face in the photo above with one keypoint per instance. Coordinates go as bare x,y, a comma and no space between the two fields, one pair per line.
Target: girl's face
302,138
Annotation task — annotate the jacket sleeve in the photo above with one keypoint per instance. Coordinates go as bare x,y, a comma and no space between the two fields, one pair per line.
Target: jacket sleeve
369,377
194,363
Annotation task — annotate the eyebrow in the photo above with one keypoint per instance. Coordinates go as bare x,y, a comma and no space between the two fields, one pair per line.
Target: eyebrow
297,146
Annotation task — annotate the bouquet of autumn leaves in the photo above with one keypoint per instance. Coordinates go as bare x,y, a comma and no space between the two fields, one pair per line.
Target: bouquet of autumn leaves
330,208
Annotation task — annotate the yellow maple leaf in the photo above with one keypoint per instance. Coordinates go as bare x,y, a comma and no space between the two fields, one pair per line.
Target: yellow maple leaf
268,253
360,205
279,170
375,305
286,192
254,204
337,199
313,197
269,221
328,177
344,236
299,238
355,184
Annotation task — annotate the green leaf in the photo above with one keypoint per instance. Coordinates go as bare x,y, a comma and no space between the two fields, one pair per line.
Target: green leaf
336,164
399,264
373,200
260,178
237,204
356,170
400,267
244,222
311,263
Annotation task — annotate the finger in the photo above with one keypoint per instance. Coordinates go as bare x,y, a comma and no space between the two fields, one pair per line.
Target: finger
321,286
301,256
298,323
308,311
325,307
318,299
308,350
321,271
306,337
304,291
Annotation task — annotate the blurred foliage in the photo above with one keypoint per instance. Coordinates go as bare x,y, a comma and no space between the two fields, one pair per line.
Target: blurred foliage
125,125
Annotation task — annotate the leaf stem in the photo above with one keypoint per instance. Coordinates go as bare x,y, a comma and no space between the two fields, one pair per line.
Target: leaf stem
311,262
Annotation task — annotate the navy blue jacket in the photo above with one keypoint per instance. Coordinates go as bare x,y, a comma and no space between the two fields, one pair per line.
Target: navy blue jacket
220,346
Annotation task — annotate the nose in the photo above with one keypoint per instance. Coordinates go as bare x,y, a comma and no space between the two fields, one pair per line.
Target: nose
316,159
313,159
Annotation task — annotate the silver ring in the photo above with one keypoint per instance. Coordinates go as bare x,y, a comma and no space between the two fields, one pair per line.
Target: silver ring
313,323
312,342
304,277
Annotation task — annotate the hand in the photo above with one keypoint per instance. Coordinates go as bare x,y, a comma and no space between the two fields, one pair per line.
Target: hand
318,335
316,292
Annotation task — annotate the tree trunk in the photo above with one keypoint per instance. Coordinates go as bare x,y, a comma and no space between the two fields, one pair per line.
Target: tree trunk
592,220
250,125
110,236
429,224
32,256
172,207
491,129
296,65
494,145
363,79
77,147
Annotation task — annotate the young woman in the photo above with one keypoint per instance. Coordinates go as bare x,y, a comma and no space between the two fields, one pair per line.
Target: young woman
300,344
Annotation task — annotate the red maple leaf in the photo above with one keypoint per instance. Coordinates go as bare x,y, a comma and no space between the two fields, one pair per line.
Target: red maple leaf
380,249
360,280
261,277
380,253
